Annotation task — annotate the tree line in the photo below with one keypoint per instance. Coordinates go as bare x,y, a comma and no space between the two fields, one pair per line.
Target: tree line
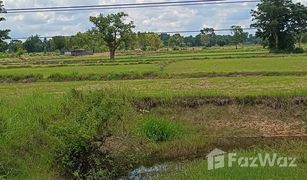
146,41
280,24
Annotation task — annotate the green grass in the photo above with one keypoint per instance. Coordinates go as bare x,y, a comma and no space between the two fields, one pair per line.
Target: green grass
42,136
198,169
45,134
132,54
170,65
81,70
159,129
239,65
220,86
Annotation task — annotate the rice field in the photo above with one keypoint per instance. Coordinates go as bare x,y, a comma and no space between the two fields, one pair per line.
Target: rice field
91,118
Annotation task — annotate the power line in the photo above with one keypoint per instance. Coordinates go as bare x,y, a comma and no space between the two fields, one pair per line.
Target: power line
158,32
111,5
195,31
126,6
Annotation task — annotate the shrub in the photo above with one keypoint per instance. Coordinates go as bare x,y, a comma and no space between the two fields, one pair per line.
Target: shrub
298,50
85,123
159,129
58,77
21,78
176,48
40,132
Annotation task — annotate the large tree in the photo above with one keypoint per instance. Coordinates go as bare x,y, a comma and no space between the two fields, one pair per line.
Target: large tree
176,41
4,34
113,29
272,19
299,21
165,38
34,44
207,37
239,36
58,43
15,46
149,41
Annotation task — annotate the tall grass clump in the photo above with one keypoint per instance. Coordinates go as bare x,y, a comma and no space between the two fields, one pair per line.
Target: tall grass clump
25,143
159,129
43,137
85,124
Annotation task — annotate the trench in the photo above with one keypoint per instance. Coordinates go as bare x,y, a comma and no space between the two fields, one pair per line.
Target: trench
244,110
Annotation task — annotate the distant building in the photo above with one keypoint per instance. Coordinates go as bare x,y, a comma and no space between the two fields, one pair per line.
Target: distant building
79,52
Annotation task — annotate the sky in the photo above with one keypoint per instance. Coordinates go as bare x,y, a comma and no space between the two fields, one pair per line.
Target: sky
148,19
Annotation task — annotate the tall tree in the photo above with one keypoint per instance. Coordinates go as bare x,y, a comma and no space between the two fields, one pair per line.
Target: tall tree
3,46
239,36
58,43
15,45
113,30
34,44
46,45
165,38
4,34
299,21
272,19
207,36
176,41
149,41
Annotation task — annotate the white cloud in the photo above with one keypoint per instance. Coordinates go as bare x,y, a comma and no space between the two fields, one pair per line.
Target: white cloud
149,19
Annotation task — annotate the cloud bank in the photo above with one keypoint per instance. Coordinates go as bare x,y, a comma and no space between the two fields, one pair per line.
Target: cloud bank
149,19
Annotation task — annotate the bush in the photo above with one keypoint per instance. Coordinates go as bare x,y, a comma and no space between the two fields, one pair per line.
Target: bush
298,50
58,77
85,123
159,129
40,132
176,48
21,78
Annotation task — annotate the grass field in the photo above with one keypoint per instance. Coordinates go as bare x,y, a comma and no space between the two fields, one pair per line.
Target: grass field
199,170
173,65
89,118
47,71
219,86
289,64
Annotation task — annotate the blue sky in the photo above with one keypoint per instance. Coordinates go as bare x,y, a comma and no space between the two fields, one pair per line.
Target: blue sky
149,19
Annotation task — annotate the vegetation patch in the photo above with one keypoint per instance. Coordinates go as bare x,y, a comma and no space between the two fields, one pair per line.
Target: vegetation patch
41,133
20,78
101,77
159,129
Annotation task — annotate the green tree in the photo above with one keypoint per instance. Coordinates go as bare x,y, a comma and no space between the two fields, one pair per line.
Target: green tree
46,45
165,38
190,41
208,35
239,36
3,46
15,45
34,44
149,41
4,34
58,43
176,41
133,43
299,21
113,30
272,19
